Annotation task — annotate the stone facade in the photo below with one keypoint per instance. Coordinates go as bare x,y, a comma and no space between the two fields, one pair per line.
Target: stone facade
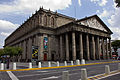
60,37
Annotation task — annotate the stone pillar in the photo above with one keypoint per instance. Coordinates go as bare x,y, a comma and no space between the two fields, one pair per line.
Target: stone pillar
29,49
61,48
81,47
49,47
110,52
98,48
103,48
24,50
20,56
67,47
107,55
73,46
87,47
93,48
40,47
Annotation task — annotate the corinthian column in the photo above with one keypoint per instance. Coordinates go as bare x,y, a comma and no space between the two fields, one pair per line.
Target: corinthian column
110,52
98,48
103,48
81,47
61,48
107,55
87,47
73,46
93,48
67,47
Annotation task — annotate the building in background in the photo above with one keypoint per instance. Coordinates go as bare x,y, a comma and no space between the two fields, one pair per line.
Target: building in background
53,36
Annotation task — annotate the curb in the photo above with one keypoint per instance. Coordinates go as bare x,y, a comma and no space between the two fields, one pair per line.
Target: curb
60,66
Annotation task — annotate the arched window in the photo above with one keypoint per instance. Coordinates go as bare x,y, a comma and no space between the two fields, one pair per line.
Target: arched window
45,20
52,22
40,19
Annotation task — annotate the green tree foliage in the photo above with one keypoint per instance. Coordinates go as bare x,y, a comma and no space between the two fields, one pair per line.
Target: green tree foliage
118,3
116,45
1,52
12,51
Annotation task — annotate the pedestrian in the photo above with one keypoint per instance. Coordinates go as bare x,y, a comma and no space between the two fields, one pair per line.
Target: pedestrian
8,63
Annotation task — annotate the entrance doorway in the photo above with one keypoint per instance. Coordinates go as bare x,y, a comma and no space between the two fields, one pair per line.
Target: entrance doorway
52,57
45,57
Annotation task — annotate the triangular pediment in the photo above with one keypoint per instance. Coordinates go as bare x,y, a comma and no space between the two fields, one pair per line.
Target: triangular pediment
94,22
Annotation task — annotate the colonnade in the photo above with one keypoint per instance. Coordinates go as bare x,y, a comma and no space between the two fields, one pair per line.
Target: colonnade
96,47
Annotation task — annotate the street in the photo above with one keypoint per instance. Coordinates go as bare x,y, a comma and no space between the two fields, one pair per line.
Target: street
56,74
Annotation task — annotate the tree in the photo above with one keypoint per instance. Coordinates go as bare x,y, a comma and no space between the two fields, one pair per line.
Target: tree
12,51
118,3
1,52
116,45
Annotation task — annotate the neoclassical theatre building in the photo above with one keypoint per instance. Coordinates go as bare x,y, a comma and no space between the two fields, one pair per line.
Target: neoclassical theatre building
52,36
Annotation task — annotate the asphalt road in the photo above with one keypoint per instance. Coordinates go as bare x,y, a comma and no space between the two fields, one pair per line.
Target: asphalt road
56,74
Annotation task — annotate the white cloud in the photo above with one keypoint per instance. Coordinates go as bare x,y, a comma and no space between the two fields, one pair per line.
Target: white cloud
116,33
79,1
21,6
114,22
100,2
94,0
105,13
6,25
103,2
5,34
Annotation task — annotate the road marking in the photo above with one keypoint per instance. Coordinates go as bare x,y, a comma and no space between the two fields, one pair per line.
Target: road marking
38,74
12,76
101,76
109,75
52,77
41,71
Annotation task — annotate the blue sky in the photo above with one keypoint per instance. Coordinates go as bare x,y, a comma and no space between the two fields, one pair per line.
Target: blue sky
14,12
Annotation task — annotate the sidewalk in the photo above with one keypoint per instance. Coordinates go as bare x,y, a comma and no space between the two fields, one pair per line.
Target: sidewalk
24,65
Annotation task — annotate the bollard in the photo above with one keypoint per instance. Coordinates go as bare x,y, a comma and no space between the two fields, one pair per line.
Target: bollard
39,64
72,63
107,69
14,66
30,65
2,66
49,64
65,75
65,62
119,66
77,62
83,74
83,61
58,64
